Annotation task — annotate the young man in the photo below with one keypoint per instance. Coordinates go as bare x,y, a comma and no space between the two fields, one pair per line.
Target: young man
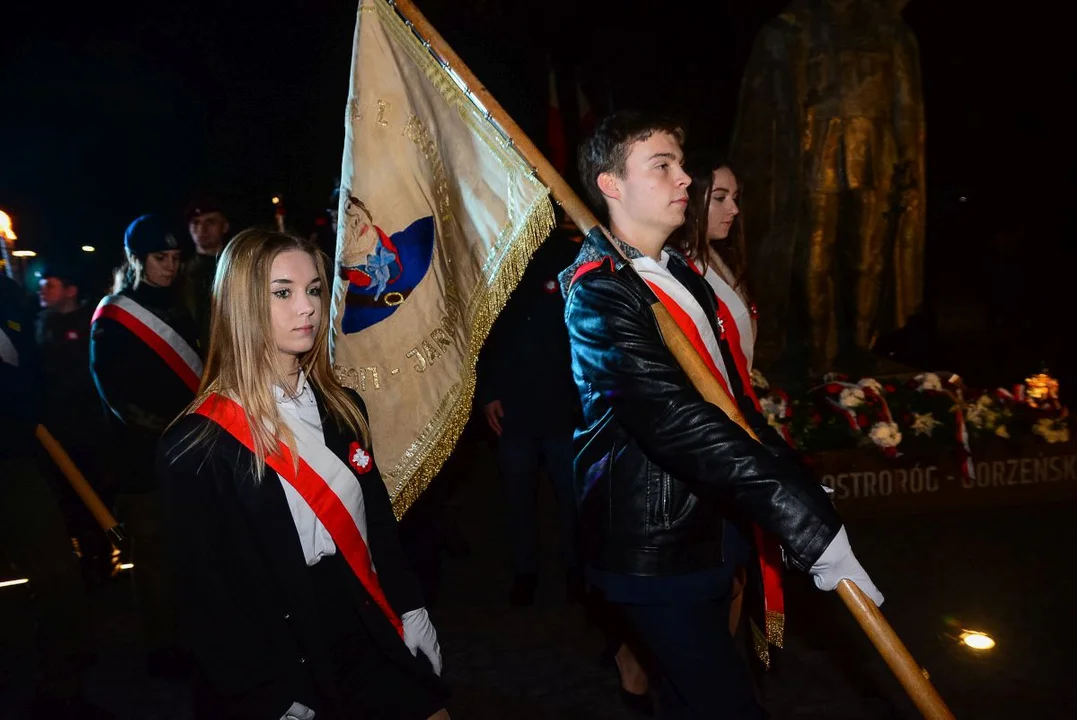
529,399
72,410
659,469
208,226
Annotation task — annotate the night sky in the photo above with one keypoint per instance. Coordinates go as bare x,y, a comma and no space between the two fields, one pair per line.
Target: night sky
116,109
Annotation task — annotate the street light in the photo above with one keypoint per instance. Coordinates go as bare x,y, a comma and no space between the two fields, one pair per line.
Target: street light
23,253
88,248
6,231
977,640
7,237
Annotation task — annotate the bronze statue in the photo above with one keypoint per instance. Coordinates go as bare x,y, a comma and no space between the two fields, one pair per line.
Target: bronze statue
830,146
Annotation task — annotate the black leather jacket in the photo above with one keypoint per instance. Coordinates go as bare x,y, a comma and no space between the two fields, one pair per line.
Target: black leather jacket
658,468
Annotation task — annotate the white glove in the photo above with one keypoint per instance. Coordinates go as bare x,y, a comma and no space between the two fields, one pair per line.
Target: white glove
298,711
838,563
419,635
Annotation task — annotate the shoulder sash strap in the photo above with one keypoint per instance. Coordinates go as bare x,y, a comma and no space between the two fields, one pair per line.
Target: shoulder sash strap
156,333
327,504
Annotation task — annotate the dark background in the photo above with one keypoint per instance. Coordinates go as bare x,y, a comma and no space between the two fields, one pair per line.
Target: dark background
112,110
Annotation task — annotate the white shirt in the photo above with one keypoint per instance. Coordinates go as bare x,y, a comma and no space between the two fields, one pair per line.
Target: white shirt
299,412
657,273
716,275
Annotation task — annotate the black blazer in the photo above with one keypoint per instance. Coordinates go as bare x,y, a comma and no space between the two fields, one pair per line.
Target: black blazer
247,609
141,392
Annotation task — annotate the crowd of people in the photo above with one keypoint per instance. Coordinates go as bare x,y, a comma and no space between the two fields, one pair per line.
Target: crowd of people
268,565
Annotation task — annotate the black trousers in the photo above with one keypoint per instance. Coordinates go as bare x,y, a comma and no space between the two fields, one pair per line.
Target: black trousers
702,674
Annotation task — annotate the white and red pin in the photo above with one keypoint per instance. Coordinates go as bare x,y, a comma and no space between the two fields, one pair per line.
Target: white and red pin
360,458
550,286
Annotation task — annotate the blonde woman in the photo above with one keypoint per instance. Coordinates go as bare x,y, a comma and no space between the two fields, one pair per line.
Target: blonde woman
297,600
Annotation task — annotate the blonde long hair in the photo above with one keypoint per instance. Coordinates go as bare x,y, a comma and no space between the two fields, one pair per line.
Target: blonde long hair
242,362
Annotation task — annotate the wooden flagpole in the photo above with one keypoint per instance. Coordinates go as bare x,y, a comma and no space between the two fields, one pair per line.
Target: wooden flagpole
562,193
81,487
867,615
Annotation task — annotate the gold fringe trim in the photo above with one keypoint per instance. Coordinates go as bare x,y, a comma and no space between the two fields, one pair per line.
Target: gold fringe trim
502,270
449,421
759,642
774,636
776,628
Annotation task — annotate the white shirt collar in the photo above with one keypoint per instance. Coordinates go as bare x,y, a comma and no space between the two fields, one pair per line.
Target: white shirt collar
646,261
302,396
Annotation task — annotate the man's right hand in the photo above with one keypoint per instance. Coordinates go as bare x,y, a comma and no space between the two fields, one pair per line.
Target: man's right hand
494,413
838,563
299,711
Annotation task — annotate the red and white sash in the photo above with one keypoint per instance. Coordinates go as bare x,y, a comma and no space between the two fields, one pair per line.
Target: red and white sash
687,313
327,485
716,277
156,333
693,322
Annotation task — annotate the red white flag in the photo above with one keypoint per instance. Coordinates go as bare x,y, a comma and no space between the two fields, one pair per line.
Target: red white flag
555,128
587,113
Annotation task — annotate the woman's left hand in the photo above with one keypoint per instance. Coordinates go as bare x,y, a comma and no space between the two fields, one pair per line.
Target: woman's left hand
419,635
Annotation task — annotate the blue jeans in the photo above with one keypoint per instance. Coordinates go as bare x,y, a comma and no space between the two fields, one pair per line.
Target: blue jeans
519,458
703,675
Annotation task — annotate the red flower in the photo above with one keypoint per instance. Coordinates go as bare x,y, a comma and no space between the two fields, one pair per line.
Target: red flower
862,421
833,388
889,388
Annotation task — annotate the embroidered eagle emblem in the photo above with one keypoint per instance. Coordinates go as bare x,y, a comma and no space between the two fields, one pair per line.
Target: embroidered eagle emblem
360,459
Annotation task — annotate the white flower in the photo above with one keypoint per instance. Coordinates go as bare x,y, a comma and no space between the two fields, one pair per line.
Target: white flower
758,381
929,381
885,434
851,398
871,384
361,458
773,407
924,424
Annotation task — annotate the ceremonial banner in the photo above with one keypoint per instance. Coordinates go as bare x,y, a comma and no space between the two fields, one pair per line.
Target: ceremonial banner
438,218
